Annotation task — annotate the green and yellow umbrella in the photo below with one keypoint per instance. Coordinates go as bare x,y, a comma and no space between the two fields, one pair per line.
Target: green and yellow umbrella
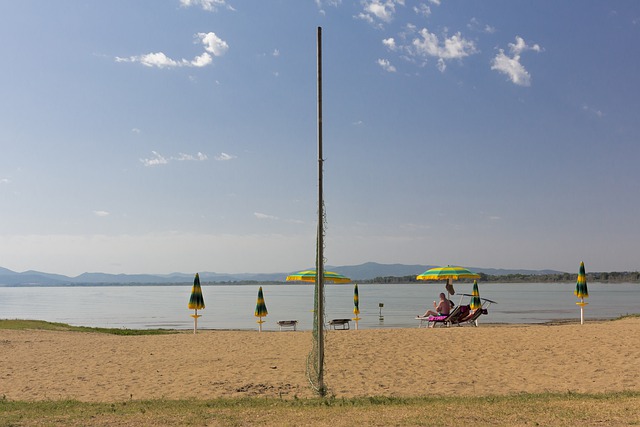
475,303
196,301
448,273
356,305
261,309
310,276
581,291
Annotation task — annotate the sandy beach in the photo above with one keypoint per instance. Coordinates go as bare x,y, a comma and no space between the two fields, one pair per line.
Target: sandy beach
600,356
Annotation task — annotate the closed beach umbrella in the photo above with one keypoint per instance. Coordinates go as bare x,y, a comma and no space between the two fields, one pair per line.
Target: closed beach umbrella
448,273
356,305
310,276
581,291
261,309
196,301
475,297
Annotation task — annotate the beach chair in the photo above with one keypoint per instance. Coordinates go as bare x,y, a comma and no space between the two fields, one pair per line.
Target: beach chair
288,324
432,321
472,318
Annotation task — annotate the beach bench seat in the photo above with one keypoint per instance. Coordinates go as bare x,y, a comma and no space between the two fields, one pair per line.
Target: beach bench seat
343,323
288,324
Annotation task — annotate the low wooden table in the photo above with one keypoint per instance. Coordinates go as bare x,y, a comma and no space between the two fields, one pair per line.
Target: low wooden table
344,323
288,324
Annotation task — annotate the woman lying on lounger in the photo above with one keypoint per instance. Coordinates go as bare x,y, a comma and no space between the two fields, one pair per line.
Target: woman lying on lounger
441,309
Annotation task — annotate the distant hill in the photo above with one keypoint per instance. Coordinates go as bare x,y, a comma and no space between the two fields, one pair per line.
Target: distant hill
366,271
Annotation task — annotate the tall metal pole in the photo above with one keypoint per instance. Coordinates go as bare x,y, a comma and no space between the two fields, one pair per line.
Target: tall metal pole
320,239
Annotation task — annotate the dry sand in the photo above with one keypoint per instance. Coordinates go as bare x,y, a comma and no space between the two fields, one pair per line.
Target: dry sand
595,357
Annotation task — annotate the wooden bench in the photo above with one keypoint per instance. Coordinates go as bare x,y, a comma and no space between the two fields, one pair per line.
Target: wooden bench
288,324
344,323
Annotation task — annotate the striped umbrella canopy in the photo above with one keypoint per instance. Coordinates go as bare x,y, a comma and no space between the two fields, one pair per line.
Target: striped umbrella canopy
581,291
356,301
448,273
310,276
196,301
475,297
581,285
261,309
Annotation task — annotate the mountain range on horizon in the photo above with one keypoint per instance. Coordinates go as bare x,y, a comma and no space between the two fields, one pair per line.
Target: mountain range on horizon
366,271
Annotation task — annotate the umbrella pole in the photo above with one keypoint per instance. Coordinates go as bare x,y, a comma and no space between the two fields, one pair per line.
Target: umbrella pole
582,311
195,321
260,324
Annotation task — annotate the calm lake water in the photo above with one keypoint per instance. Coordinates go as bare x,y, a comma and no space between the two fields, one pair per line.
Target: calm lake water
232,306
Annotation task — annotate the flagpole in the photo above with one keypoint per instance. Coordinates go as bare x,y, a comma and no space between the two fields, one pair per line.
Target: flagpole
320,240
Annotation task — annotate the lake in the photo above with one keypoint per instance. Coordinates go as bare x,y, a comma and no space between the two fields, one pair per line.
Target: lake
232,306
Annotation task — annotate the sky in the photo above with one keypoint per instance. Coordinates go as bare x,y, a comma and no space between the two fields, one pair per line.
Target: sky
146,136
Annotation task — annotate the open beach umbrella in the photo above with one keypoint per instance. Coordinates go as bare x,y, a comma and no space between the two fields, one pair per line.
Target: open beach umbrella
356,305
448,273
310,276
261,309
196,301
581,291
475,297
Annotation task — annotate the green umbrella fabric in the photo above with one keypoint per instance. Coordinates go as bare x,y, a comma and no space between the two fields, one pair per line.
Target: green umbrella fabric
196,301
475,303
448,273
356,301
581,285
310,276
261,307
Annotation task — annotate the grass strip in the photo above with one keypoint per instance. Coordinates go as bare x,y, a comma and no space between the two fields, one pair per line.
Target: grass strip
548,409
52,326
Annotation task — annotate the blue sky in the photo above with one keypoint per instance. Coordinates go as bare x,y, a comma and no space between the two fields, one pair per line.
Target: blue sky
180,135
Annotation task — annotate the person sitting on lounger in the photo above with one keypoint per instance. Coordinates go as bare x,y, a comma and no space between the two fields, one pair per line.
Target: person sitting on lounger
441,309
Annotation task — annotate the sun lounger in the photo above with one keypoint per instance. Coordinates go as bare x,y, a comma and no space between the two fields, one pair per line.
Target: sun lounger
432,321
288,324
472,318
343,323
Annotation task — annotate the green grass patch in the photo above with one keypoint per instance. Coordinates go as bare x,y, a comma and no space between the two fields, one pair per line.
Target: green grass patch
549,409
52,326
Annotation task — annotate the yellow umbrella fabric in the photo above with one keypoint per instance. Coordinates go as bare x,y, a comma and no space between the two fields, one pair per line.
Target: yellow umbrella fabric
475,303
448,273
310,276
581,291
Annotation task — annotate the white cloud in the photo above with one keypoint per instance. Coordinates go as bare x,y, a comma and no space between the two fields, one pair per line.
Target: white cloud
511,66
159,159
224,157
101,213
4,180
208,5
382,10
588,109
390,43
264,216
189,157
213,45
386,65
156,160
276,52
428,45
422,9
135,130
